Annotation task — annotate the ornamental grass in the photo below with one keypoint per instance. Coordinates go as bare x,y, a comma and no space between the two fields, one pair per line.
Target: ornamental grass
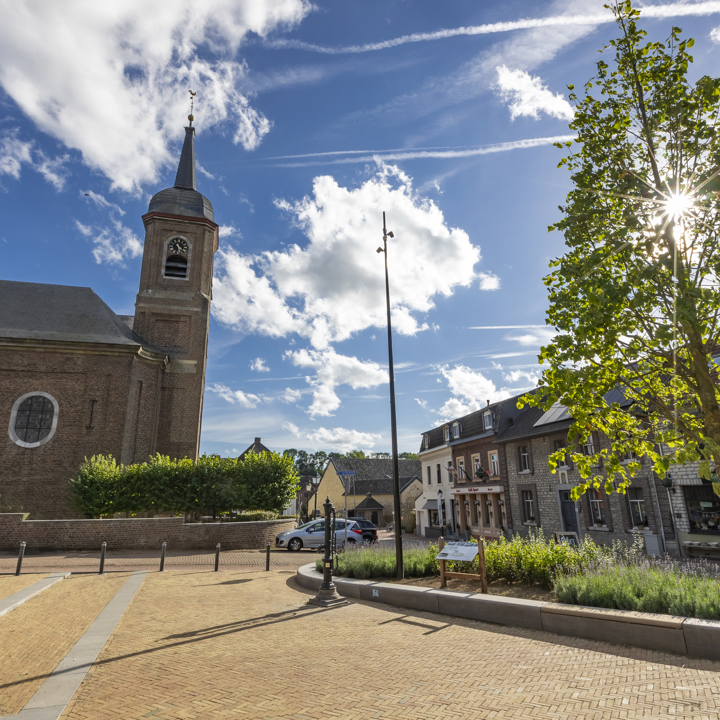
378,561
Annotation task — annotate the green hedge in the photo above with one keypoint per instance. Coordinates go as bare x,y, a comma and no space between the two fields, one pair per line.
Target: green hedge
261,482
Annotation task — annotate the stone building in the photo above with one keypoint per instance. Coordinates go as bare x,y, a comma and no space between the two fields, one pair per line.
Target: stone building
541,500
78,380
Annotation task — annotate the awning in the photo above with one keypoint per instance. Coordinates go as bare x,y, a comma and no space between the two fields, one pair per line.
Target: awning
429,505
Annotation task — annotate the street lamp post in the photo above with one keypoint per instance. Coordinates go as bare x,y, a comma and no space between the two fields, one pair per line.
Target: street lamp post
316,485
393,423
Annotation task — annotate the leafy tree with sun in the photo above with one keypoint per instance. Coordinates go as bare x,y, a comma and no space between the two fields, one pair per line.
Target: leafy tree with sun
634,299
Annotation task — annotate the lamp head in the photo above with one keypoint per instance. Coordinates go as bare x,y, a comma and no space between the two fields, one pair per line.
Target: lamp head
390,235
380,250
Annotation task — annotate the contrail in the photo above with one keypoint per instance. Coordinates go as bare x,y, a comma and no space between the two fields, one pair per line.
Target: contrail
421,154
654,11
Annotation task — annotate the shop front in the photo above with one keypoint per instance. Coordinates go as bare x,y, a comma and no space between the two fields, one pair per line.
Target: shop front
480,510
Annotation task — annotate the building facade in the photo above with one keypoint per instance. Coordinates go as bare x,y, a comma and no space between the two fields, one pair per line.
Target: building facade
77,380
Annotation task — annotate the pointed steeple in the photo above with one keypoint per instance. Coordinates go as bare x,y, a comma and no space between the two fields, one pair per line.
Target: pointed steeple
185,177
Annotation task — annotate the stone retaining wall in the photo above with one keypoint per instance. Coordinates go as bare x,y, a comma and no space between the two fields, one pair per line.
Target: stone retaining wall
136,533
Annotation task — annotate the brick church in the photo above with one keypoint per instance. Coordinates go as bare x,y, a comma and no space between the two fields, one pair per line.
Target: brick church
78,380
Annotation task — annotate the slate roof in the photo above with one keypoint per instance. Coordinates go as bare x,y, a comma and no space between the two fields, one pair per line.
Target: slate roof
524,425
376,486
62,313
370,468
257,447
369,503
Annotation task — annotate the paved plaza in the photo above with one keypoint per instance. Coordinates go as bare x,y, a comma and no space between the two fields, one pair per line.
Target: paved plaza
243,643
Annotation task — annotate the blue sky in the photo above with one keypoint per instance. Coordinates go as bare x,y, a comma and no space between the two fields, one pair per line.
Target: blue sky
311,120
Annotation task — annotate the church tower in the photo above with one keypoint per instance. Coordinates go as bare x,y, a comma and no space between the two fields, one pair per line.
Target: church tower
172,311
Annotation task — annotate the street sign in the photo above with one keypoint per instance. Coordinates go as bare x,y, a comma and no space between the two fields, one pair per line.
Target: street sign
346,472
458,551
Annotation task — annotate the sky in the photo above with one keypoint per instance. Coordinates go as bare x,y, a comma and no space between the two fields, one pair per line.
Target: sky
312,120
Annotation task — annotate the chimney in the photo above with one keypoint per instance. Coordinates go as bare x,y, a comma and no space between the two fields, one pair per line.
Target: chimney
257,441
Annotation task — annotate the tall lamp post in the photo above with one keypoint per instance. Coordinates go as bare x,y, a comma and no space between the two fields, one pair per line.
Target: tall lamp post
316,485
393,424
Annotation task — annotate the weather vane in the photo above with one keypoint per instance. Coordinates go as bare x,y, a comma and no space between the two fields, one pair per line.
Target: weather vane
191,117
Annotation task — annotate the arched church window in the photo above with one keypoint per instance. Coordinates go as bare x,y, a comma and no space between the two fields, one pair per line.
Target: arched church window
33,420
176,262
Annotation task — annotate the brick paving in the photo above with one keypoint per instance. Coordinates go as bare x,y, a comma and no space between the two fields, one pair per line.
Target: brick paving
36,636
244,644
10,584
130,560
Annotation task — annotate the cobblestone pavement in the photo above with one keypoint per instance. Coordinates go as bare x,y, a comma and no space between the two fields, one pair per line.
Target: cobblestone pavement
10,584
129,560
36,636
244,644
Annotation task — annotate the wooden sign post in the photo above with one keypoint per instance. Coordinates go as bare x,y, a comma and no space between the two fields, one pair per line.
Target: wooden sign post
481,574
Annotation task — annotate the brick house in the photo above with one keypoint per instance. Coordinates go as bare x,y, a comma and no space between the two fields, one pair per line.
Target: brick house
78,380
540,499
463,469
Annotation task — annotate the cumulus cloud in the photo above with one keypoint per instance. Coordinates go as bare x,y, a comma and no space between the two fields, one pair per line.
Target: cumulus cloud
14,153
290,395
334,286
489,281
113,243
236,397
258,365
471,390
715,35
110,79
332,370
339,439
527,95
229,231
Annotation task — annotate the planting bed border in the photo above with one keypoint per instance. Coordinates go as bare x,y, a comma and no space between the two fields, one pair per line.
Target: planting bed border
666,633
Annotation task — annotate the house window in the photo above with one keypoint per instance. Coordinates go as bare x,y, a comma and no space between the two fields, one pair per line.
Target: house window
33,419
528,506
476,466
446,433
703,509
559,445
588,447
429,475
494,464
439,478
597,510
487,421
456,430
426,441
629,456
524,455
637,507
461,469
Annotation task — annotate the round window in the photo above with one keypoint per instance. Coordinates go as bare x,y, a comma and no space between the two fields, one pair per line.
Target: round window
34,419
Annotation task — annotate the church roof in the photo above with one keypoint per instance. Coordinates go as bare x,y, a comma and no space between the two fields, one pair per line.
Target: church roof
62,313
183,198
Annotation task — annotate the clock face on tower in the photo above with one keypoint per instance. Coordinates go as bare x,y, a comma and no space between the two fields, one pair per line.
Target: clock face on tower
178,246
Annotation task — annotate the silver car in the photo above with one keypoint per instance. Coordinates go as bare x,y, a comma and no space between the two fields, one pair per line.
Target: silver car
312,535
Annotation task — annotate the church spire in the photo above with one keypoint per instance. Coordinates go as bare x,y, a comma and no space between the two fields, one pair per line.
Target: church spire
185,177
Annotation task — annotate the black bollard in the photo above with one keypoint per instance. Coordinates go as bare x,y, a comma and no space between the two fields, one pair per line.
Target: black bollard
102,558
21,555
267,558
217,557
162,557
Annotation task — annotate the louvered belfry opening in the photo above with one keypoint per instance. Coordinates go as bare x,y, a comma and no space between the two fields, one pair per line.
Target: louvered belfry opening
176,266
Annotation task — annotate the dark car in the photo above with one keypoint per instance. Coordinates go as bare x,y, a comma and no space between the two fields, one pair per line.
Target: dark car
369,531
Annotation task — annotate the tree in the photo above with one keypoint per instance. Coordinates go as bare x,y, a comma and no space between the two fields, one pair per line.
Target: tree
634,298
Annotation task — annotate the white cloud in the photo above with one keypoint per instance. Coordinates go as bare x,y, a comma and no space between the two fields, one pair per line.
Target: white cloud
530,376
111,79
527,95
534,338
715,35
338,439
229,231
471,390
334,286
247,400
53,169
290,395
101,202
421,403
489,281
332,370
258,365
113,243
14,153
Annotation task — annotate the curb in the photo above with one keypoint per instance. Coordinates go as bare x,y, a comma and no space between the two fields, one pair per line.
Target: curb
22,596
665,633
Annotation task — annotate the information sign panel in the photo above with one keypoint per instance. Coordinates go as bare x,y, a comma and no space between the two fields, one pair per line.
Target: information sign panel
458,551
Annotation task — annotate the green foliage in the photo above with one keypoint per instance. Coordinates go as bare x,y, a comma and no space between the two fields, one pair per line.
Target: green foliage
631,581
254,516
378,562
634,299
260,482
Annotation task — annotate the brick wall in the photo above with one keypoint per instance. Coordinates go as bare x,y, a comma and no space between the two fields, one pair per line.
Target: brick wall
136,533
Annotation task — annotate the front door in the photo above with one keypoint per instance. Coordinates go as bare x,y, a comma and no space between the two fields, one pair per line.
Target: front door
374,517
567,509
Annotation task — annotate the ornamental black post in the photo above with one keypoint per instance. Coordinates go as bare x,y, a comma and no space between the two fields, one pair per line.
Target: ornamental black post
327,594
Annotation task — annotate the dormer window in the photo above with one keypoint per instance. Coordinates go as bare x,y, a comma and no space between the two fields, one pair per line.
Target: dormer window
446,433
488,420
456,430
426,441
176,261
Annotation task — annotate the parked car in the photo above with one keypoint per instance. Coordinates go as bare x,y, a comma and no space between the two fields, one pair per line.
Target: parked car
369,531
312,535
